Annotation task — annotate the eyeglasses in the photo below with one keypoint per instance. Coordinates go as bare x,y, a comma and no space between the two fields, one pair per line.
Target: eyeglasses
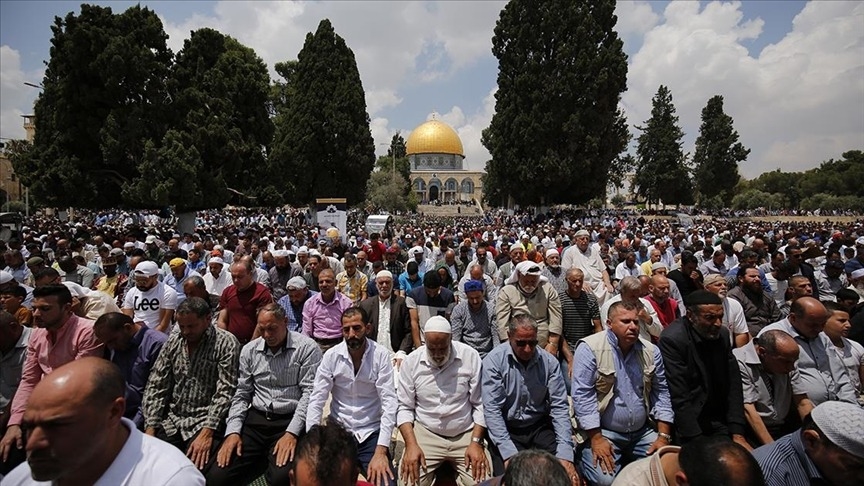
522,343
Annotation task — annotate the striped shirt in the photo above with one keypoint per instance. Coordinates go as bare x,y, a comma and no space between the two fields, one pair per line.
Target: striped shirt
577,316
475,328
186,393
785,463
278,382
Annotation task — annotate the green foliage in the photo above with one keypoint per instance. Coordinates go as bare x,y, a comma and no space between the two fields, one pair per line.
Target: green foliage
213,152
385,192
323,142
618,200
104,98
777,182
718,153
755,198
385,163
557,130
713,203
397,143
832,202
842,177
661,171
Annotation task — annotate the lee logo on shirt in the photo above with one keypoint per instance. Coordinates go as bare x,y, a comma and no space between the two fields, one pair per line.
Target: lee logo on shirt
145,304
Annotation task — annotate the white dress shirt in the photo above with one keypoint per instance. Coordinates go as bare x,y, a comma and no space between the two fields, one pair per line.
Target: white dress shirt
445,400
362,403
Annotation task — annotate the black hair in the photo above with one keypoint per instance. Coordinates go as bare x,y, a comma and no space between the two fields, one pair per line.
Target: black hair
717,461
326,449
54,290
113,321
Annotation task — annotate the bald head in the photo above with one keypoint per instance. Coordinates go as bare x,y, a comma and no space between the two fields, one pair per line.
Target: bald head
808,316
97,381
659,288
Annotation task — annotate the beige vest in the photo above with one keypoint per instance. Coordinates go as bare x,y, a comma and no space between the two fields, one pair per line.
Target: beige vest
603,354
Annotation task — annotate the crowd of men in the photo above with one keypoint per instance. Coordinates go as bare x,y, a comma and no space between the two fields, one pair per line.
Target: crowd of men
620,349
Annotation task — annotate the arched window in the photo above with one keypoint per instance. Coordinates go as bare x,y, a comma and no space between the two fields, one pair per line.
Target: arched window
419,184
450,185
467,186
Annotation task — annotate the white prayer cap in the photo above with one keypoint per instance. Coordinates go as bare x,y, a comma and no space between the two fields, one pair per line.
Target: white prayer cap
384,274
216,260
303,250
551,252
76,290
5,277
437,324
841,423
857,273
280,254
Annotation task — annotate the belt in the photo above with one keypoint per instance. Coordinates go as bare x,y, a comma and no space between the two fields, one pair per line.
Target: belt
271,415
328,342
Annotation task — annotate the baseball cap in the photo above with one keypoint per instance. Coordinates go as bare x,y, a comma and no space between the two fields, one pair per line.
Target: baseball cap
146,269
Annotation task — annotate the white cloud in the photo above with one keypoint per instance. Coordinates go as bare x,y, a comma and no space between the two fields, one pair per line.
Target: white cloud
16,98
797,103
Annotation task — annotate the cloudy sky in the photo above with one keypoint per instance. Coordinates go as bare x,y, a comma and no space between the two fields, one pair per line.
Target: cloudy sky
791,72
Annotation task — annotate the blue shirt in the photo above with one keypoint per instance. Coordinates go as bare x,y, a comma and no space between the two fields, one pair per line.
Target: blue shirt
408,285
785,463
522,395
295,316
626,411
135,363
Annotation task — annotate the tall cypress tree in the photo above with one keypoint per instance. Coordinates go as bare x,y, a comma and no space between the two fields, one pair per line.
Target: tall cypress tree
104,99
323,144
718,153
557,131
661,170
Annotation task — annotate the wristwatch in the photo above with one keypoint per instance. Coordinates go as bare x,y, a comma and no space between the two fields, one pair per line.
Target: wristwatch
664,435
478,440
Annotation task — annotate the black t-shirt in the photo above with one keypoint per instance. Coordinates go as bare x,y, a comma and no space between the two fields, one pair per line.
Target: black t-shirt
684,282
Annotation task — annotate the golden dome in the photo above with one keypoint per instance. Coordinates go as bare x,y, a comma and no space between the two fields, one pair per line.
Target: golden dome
434,137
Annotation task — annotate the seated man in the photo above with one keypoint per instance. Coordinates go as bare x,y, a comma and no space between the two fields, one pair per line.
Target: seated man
388,315
323,311
134,348
440,412
95,444
770,383
14,339
524,399
704,381
192,382
707,461
58,338
268,411
823,376
828,449
358,375
150,301
613,408
473,319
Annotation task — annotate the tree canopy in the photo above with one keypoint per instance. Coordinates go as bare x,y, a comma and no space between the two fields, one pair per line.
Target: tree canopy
323,141
122,122
104,99
718,153
557,131
661,170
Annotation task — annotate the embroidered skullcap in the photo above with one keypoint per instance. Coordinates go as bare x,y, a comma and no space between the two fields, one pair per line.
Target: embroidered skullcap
714,277
384,274
473,285
842,424
296,283
658,265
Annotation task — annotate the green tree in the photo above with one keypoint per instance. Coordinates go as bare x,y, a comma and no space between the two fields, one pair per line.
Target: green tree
385,163
322,138
214,151
661,171
384,192
777,182
557,130
718,153
104,100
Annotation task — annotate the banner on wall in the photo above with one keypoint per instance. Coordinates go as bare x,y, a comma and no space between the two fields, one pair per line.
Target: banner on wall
332,213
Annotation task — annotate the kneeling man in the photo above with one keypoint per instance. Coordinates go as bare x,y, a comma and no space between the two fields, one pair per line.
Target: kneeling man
440,412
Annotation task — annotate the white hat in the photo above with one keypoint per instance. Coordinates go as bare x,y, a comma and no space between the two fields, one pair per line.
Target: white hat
216,260
303,250
296,283
128,244
384,274
437,324
525,268
856,274
150,240
77,290
280,254
416,250
146,269
551,252
5,277
841,423
860,241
